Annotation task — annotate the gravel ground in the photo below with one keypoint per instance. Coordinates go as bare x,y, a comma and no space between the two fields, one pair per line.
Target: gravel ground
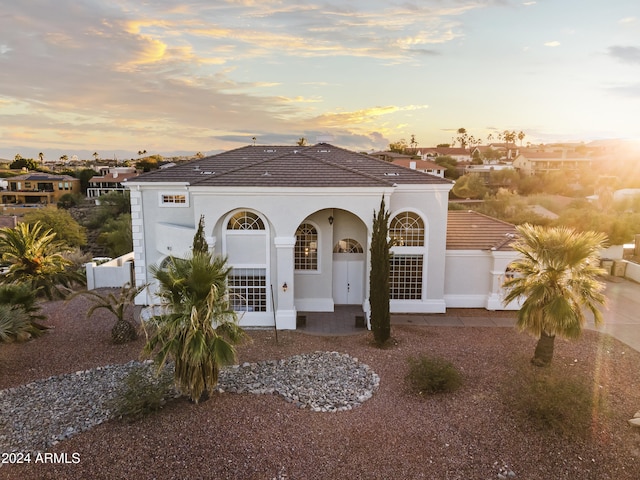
468,434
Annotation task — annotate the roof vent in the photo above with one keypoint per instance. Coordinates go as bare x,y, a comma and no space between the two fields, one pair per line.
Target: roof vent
196,168
324,151
207,173
266,174
270,150
392,174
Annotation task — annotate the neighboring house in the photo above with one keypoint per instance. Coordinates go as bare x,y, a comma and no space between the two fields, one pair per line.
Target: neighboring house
39,189
424,166
462,155
111,179
535,163
484,171
478,254
295,224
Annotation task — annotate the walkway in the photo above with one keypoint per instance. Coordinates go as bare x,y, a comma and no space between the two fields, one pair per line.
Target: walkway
621,316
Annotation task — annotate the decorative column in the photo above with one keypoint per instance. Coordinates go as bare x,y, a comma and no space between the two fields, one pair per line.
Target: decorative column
137,233
284,296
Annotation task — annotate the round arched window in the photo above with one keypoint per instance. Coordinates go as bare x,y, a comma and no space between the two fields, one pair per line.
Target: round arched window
407,230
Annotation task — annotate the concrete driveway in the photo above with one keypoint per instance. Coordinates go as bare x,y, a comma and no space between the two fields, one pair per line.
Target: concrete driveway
622,314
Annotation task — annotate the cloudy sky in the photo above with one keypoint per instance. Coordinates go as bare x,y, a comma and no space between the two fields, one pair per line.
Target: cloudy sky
119,76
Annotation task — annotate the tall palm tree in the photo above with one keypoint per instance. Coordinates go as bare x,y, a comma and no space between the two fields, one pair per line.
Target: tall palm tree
35,257
557,275
41,157
198,329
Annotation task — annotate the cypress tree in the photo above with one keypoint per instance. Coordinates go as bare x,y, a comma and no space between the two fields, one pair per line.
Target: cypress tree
379,276
199,241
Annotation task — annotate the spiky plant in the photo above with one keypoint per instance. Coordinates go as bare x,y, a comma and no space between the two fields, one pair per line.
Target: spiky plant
19,313
123,330
36,257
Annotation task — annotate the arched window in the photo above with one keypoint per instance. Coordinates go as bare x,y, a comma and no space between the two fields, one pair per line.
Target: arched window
244,220
348,245
407,230
306,249
246,248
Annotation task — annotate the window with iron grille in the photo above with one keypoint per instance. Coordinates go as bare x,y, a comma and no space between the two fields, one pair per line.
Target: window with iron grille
405,277
306,249
248,289
245,221
407,230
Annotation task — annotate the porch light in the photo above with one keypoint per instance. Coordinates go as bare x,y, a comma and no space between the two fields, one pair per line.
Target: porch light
330,220
285,287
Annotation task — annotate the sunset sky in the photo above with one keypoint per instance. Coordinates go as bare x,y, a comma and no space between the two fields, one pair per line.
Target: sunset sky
119,76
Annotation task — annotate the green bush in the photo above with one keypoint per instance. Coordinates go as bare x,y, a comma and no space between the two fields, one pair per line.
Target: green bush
553,401
19,313
429,375
143,393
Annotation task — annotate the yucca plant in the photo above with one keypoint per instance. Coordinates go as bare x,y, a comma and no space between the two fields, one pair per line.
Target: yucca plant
119,305
199,329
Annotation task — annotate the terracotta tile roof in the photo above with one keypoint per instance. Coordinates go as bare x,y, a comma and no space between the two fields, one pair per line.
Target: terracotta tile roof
110,178
420,164
321,165
469,230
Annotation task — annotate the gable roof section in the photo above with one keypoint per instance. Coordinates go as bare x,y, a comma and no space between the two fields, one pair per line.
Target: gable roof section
321,165
469,230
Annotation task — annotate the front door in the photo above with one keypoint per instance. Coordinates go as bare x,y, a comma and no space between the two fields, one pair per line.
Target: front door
348,282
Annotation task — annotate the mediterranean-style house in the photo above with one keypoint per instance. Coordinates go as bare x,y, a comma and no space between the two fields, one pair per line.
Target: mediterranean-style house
295,224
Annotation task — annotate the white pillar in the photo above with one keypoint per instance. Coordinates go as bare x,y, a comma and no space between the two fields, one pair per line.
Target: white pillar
285,307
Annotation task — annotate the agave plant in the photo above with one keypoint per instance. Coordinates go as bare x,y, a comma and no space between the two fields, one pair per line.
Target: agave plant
118,304
198,329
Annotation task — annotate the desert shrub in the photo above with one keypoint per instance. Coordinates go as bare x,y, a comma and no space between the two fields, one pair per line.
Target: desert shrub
19,313
14,324
429,375
143,393
553,401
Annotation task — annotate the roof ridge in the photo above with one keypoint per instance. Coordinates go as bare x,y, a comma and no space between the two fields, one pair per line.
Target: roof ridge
242,167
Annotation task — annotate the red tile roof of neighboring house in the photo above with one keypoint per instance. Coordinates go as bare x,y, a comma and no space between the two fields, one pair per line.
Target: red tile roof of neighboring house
320,165
420,164
111,178
469,230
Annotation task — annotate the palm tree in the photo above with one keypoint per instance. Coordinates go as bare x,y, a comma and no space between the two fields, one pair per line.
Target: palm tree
557,277
95,155
123,330
36,257
41,157
198,329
